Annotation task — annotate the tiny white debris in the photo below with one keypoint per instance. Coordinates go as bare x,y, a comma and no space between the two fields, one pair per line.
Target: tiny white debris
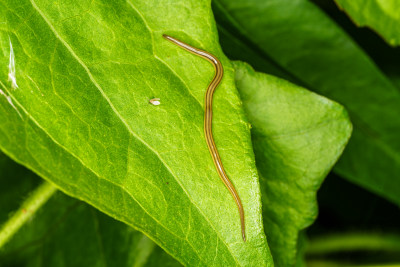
155,101
11,68
10,101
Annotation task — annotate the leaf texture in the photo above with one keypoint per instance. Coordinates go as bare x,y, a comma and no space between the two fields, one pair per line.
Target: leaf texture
77,112
297,137
68,232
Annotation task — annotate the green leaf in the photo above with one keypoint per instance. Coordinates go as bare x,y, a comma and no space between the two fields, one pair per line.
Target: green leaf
305,42
383,16
68,232
76,111
297,137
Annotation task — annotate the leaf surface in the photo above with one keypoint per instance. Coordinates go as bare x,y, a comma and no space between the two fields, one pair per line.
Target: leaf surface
383,16
300,38
75,109
68,232
297,137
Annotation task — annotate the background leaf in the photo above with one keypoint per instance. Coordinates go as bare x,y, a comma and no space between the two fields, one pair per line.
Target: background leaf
297,137
80,118
383,16
301,39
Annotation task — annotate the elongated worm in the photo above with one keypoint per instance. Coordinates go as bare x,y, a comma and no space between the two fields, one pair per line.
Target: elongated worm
219,72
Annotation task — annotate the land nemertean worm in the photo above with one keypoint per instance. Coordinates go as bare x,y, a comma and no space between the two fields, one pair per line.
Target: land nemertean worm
219,72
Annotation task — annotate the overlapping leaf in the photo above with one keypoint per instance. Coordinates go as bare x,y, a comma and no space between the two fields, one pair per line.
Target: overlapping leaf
297,137
306,43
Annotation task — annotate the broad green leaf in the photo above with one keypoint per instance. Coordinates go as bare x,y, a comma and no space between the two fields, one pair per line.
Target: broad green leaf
304,41
76,82
297,137
68,232
383,16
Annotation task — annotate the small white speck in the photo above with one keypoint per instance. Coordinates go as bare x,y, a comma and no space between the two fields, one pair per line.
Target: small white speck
10,101
155,101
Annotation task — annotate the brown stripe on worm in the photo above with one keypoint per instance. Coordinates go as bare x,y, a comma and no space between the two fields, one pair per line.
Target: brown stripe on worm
219,72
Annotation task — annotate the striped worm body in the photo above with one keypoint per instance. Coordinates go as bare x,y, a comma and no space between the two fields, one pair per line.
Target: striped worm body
219,72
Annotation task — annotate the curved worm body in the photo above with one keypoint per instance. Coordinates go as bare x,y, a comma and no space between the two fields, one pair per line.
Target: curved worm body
219,72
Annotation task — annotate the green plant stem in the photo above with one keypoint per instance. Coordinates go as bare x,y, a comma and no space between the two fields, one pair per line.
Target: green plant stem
30,206
354,242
